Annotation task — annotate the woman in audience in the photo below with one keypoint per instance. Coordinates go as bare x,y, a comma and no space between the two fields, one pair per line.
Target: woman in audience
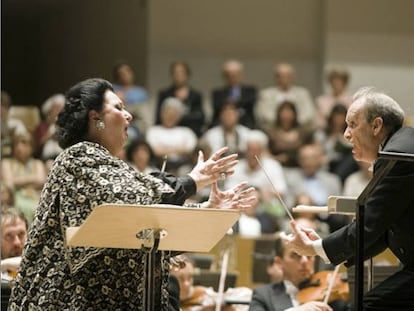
47,147
24,174
169,139
338,79
286,135
193,116
140,156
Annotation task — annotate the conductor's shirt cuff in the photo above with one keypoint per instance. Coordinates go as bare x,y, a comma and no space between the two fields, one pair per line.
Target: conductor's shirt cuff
317,246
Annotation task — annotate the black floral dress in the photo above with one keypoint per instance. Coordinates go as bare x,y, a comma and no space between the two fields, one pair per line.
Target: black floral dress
56,277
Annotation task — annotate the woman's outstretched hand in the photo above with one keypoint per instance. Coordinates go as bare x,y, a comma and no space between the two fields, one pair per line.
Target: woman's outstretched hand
234,198
211,170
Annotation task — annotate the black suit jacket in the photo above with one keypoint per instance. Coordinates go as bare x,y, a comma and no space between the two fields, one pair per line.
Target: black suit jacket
270,297
194,116
246,104
389,212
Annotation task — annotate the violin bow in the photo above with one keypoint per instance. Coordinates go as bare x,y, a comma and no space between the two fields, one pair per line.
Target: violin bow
274,188
330,285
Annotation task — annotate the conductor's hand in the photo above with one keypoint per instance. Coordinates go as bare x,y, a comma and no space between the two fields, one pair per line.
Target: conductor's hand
301,239
207,172
234,198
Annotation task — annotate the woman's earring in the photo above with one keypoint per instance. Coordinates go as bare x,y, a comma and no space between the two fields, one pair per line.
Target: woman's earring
100,125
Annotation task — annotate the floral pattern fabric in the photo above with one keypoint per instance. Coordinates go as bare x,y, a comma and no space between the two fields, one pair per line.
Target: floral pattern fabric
56,277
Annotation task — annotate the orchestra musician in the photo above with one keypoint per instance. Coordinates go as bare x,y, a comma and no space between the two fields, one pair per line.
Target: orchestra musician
375,122
295,272
194,297
92,129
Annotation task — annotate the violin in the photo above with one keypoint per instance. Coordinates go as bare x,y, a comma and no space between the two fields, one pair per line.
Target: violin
317,289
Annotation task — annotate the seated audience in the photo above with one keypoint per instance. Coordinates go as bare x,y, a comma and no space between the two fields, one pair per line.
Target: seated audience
338,151
285,89
338,79
234,90
140,156
125,87
357,181
296,271
317,183
169,139
249,168
256,220
9,126
46,145
229,132
134,97
286,135
180,88
24,174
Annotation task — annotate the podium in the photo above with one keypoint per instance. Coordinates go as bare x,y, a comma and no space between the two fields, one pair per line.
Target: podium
150,228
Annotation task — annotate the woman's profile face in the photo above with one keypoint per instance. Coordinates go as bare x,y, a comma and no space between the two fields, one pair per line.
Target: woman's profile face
116,119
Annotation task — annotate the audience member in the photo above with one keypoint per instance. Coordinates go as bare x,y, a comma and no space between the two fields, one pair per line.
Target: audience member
286,135
317,183
229,132
46,145
193,116
249,168
338,79
24,174
244,95
169,139
9,126
357,181
134,97
13,238
125,87
256,220
296,271
285,89
338,151
7,196
139,154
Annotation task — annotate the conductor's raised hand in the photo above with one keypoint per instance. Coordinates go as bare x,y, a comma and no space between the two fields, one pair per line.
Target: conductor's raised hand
301,240
234,198
211,170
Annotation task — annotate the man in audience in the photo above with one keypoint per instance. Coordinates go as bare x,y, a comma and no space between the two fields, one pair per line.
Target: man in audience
229,132
13,238
236,91
284,89
318,184
249,168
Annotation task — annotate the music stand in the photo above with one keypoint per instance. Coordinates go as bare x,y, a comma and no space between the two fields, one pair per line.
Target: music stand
151,228
391,158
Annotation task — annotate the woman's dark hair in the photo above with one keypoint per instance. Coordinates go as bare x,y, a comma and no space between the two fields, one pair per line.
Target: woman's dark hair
337,109
180,63
290,105
135,145
72,122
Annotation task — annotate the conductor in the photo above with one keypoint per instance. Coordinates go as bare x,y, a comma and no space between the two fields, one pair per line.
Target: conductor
375,122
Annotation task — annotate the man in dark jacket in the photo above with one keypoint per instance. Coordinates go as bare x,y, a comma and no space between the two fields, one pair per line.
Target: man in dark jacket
374,122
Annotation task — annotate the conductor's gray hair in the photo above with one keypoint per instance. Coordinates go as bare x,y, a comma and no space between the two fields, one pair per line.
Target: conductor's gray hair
378,104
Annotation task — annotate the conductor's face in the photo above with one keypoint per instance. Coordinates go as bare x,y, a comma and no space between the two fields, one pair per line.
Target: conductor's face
362,135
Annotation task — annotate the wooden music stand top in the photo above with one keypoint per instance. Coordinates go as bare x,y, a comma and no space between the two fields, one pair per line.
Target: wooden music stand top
187,229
